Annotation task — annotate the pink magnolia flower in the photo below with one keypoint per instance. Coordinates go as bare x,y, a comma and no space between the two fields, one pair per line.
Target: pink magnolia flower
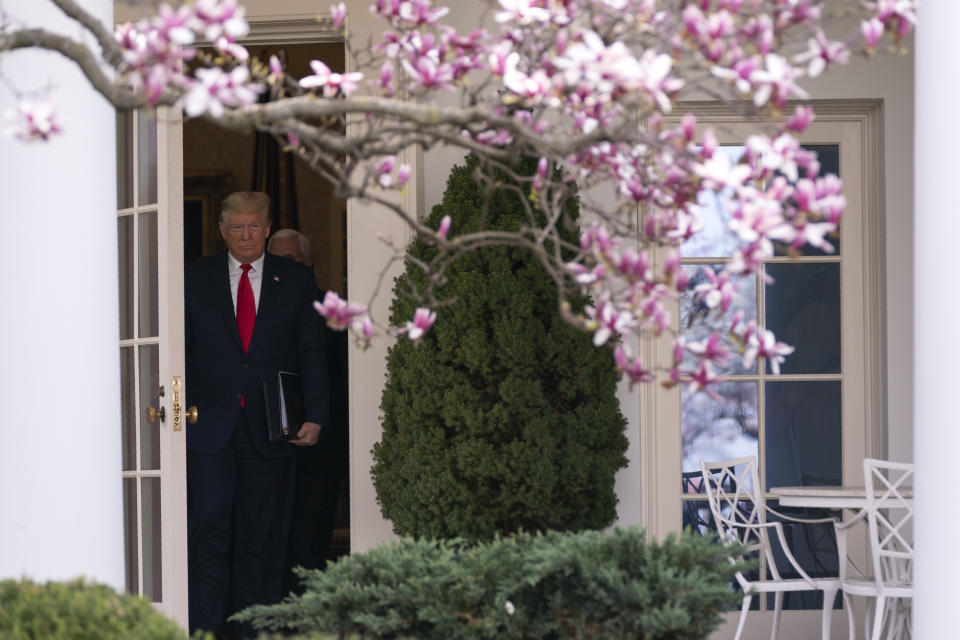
801,119
718,291
776,82
345,83
423,319
30,122
216,90
444,227
703,377
606,320
339,313
632,367
522,12
403,174
821,51
338,15
712,349
872,31
762,343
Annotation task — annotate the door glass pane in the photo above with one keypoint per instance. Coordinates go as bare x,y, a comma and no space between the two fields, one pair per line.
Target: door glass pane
697,321
130,533
124,159
721,426
715,239
146,158
803,442
128,409
126,272
152,557
803,310
147,286
149,397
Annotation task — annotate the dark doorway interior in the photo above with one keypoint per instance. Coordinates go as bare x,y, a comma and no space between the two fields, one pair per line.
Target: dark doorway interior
216,162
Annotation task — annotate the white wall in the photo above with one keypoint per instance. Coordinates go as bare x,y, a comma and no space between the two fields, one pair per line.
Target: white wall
60,489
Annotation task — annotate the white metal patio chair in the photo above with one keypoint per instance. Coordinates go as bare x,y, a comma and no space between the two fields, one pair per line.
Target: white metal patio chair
889,516
740,514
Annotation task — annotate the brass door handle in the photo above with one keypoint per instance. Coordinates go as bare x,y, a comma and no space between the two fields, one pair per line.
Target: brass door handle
153,414
192,415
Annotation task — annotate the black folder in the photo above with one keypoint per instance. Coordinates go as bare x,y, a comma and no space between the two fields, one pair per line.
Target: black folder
283,401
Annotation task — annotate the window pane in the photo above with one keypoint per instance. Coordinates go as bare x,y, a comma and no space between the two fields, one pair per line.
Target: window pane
803,444
148,289
128,409
130,534
803,310
149,397
696,323
714,240
152,567
126,273
719,428
146,158
124,159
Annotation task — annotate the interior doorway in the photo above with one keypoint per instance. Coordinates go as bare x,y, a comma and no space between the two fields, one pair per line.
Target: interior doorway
216,163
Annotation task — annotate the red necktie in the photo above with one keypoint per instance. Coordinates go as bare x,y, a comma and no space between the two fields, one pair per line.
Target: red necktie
246,308
246,312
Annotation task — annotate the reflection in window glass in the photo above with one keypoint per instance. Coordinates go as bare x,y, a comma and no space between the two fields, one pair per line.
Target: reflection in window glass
130,534
719,428
146,158
697,323
126,274
149,397
148,286
128,409
714,240
803,435
152,544
803,309
124,159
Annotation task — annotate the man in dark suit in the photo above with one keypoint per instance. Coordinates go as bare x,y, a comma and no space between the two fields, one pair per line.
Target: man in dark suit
320,469
248,315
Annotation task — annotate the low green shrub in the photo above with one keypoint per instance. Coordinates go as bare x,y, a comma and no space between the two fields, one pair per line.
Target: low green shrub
79,610
552,585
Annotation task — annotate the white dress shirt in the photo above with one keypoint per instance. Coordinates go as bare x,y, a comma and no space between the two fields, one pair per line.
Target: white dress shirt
255,276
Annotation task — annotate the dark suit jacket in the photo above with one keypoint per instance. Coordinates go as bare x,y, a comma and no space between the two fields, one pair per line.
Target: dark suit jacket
287,336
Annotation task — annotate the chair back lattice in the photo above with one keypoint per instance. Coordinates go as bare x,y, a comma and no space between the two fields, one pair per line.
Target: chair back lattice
890,519
733,490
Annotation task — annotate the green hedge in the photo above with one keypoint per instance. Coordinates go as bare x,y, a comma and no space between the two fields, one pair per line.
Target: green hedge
79,610
554,585
503,417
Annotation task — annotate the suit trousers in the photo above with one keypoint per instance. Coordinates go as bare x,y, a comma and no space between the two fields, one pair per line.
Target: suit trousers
238,520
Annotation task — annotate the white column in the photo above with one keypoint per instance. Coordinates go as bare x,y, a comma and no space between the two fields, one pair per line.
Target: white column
61,511
936,318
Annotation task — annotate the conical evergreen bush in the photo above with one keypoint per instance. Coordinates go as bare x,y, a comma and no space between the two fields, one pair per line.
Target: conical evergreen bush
503,417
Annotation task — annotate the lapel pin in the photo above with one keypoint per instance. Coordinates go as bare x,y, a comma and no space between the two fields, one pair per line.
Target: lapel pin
276,278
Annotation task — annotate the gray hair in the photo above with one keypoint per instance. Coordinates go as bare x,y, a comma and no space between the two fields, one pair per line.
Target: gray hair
305,247
246,202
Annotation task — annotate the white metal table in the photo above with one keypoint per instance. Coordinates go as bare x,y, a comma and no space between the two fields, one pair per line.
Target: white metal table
842,497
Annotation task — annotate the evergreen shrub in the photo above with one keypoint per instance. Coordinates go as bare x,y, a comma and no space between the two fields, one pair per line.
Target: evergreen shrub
588,585
503,417
79,610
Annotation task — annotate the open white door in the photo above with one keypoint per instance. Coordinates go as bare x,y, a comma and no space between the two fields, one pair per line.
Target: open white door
150,243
